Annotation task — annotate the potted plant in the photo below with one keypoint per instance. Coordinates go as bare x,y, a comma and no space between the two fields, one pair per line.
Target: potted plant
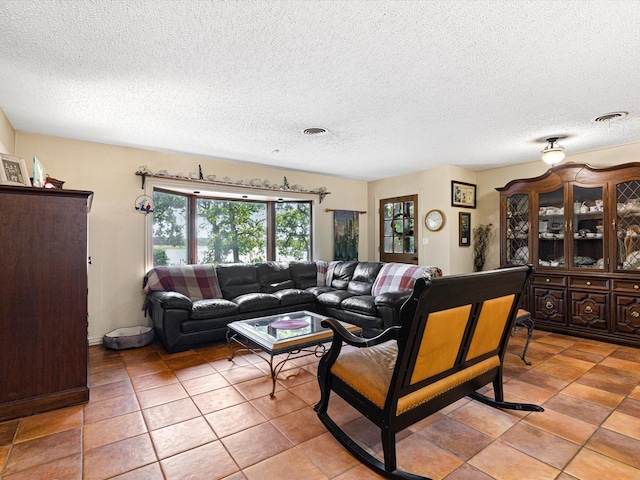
482,236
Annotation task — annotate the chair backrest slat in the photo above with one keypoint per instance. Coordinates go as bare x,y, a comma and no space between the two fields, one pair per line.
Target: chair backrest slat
438,349
489,329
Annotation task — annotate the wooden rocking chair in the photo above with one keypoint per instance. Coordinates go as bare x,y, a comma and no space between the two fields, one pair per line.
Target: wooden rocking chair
451,342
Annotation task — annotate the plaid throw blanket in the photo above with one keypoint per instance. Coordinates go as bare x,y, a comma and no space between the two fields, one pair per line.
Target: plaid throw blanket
401,277
321,267
194,281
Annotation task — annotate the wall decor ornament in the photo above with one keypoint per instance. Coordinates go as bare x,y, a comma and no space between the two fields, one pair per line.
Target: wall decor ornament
346,226
39,173
253,184
434,220
463,194
144,204
464,229
14,171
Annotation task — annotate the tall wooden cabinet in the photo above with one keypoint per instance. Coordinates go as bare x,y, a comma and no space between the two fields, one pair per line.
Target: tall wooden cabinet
580,227
43,303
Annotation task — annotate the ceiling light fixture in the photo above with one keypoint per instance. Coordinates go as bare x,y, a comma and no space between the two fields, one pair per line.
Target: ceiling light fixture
552,153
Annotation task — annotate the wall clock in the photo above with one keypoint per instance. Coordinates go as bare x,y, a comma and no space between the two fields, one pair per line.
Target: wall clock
434,220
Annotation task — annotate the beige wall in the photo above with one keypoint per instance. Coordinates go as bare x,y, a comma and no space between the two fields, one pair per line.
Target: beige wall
7,135
489,180
117,232
433,188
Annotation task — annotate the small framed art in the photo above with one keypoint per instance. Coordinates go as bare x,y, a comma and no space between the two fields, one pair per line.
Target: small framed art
464,229
13,171
463,194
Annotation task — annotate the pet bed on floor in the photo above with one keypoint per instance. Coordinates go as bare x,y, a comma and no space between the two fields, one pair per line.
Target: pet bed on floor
128,337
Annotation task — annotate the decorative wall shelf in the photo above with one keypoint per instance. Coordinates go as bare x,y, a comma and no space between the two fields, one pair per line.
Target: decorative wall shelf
262,188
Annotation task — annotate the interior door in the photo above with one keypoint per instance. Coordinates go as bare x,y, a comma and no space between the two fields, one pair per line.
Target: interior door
399,229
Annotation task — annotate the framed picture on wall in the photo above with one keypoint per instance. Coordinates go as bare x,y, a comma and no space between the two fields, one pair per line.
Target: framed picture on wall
464,229
13,171
463,194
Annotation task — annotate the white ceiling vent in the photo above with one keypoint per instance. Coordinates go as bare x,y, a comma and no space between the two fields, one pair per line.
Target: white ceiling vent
610,116
314,131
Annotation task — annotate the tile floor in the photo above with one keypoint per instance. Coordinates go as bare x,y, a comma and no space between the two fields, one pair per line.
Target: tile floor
197,415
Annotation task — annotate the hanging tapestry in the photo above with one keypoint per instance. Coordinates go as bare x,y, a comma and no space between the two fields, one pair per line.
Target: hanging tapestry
345,234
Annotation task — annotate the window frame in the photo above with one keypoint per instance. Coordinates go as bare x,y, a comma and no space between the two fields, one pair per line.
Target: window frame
195,192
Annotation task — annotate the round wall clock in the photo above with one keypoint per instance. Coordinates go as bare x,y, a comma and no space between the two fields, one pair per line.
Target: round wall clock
434,220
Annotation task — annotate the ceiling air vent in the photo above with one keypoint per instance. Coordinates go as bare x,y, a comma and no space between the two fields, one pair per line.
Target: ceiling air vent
610,116
314,131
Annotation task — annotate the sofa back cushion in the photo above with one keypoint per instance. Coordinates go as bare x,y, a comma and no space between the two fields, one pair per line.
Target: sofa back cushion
400,277
237,279
197,282
273,276
304,274
363,277
342,274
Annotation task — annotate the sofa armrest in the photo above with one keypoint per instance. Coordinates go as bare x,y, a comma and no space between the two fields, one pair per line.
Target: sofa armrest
388,306
169,300
392,299
168,311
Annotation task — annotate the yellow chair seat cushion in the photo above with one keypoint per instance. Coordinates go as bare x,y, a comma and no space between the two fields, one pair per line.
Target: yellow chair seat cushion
368,371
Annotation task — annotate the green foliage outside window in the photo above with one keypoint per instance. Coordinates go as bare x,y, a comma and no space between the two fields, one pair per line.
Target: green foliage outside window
169,216
229,231
234,231
160,257
293,231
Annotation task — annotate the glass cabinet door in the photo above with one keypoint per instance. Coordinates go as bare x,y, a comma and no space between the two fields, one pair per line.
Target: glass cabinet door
551,229
628,225
588,228
518,224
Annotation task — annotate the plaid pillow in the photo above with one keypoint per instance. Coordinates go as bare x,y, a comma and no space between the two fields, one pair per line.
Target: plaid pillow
400,277
330,268
322,272
194,281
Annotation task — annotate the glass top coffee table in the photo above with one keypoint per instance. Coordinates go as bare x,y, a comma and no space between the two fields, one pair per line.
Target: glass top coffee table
286,333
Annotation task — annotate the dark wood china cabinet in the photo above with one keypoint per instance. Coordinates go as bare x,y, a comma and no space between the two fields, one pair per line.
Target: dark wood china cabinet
580,227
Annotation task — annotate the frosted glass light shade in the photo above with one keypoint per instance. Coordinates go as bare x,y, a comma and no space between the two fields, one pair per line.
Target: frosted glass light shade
553,155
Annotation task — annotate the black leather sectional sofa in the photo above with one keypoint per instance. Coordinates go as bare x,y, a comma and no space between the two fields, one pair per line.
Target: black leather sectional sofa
268,288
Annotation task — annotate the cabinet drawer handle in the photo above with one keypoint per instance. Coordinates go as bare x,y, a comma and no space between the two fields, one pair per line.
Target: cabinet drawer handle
636,287
635,314
588,309
588,284
549,305
547,280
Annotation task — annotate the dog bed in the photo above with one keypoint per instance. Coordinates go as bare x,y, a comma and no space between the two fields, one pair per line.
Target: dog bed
128,337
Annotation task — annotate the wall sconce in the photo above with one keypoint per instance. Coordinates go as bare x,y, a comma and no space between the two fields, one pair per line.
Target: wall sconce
552,153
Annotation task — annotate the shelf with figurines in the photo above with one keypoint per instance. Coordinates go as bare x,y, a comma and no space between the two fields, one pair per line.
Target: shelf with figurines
253,184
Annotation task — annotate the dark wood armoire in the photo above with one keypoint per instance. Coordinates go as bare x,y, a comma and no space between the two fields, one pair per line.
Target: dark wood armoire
43,299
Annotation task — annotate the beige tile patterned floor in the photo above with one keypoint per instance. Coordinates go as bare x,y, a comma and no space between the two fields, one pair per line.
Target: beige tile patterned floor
197,415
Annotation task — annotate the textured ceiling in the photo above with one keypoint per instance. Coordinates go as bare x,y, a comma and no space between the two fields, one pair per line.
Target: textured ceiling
401,86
